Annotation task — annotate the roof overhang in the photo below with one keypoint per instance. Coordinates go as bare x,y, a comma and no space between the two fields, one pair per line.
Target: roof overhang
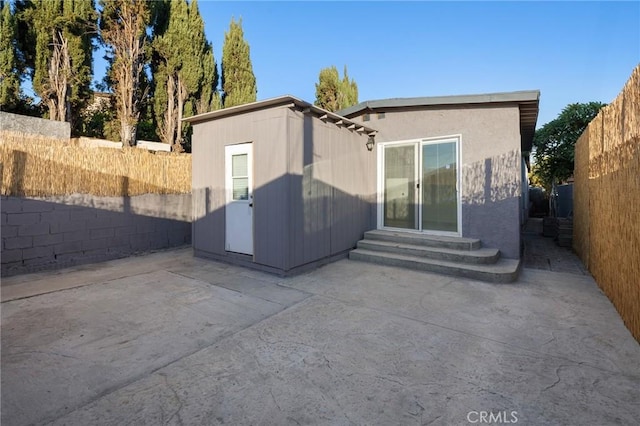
527,101
528,118
283,101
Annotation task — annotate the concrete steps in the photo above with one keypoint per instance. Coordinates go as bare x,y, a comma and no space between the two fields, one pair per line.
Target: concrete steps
462,257
479,256
456,243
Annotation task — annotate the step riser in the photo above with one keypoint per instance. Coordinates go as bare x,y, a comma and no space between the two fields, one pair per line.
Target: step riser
429,254
427,242
441,269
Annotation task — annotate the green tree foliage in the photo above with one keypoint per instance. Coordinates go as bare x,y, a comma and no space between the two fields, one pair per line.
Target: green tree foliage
59,50
333,93
180,56
208,99
98,120
349,91
9,63
238,80
327,89
123,25
554,143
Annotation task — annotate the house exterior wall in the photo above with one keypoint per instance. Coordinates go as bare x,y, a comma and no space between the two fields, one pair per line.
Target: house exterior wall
491,182
332,189
524,208
313,186
267,131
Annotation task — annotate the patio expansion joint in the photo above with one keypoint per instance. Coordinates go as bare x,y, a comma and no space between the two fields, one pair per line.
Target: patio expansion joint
221,285
158,369
101,281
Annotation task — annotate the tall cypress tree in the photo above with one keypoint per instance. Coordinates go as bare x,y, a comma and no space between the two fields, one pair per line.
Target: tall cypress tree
208,99
61,58
333,93
180,48
327,89
238,80
191,76
348,91
123,25
163,67
9,64
81,35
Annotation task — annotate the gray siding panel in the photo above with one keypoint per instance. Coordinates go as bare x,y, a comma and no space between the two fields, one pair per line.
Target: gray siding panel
208,191
295,171
270,193
331,188
266,130
354,192
314,183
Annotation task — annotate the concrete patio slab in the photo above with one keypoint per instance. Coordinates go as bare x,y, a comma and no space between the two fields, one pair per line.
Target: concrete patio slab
354,365
543,253
66,348
190,341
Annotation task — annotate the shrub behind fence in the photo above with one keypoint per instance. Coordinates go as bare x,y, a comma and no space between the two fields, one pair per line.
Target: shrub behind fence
35,166
607,201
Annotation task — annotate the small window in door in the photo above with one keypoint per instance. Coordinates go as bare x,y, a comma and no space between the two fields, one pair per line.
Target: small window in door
240,176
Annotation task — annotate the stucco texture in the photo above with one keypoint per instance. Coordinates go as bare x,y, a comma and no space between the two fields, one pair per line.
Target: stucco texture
491,163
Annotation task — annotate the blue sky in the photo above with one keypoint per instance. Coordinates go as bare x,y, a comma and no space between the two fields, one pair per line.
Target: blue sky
570,51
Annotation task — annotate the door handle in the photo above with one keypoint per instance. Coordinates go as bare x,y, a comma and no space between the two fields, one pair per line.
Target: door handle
250,204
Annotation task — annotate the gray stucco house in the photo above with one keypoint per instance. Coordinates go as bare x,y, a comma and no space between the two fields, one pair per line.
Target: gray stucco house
435,183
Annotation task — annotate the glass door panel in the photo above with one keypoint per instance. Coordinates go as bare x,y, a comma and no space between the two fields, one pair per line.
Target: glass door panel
439,189
400,204
240,176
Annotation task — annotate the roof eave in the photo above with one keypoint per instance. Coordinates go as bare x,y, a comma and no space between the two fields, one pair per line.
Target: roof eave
527,101
286,100
487,98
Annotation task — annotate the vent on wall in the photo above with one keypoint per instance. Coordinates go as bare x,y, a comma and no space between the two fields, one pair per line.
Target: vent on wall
366,117
380,115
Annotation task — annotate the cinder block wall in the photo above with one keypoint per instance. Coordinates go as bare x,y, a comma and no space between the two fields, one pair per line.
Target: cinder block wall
34,125
39,234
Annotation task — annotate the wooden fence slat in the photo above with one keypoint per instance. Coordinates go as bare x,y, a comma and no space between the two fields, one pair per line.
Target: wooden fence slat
607,201
38,166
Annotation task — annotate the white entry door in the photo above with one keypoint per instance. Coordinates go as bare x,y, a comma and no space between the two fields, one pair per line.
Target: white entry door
239,194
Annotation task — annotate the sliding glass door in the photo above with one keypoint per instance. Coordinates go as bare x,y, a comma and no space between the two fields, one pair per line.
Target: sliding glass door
400,195
439,187
420,186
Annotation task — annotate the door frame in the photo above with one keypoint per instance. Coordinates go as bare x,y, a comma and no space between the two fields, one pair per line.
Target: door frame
457,138
229,152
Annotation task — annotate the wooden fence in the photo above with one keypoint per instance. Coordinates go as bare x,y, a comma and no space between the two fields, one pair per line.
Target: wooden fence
35,166
607,201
